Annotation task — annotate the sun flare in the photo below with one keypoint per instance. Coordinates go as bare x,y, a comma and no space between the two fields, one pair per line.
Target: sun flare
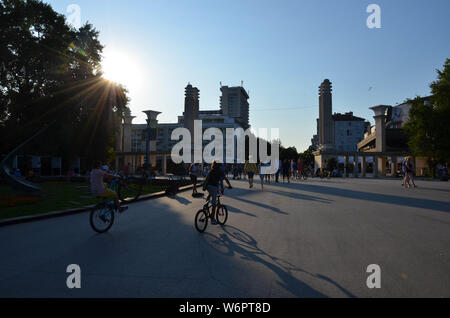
121,68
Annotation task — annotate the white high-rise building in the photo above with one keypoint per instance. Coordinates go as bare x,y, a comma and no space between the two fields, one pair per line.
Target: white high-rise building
234,104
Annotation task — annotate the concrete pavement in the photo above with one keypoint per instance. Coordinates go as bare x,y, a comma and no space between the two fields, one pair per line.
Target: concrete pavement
314,238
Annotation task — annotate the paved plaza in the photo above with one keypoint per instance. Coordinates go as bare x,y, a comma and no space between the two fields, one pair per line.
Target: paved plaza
314,238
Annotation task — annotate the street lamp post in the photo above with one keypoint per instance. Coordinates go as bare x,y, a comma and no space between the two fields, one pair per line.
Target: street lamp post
152,122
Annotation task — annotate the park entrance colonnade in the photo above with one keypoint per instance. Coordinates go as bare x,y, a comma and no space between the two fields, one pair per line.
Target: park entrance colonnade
379,162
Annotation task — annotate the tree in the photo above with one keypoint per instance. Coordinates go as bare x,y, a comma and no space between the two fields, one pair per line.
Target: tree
428,128
52,72
308,157
289,153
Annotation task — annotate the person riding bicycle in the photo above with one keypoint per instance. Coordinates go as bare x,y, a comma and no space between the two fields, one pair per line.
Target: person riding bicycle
98,189
212,185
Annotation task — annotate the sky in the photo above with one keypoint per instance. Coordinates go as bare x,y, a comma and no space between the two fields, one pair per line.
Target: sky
281,50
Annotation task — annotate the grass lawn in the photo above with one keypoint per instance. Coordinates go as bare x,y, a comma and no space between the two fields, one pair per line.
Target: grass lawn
55,196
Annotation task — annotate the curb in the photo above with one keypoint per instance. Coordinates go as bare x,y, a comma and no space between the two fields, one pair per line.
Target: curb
32,218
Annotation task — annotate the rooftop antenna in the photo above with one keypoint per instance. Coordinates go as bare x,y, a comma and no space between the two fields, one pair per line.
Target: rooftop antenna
242,83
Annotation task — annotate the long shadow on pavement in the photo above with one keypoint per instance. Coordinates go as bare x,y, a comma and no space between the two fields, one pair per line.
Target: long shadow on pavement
236,210
262,205
242,244
300,196
434,189
180,199
376,197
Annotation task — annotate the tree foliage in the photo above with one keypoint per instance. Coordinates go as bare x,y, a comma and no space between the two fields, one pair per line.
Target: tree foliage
50,71
289,153
308,157
429,125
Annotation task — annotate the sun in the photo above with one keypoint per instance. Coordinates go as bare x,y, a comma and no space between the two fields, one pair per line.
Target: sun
121,68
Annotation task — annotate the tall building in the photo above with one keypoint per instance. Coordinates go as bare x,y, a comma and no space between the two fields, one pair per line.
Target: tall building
336,132
191,107
326,128
348,131
234,104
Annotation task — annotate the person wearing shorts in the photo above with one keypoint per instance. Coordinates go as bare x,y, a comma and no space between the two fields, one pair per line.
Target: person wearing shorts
261,174
98,189
212,186
250,169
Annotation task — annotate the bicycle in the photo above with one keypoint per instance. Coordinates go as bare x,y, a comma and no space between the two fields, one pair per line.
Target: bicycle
102,215
129,188
202,217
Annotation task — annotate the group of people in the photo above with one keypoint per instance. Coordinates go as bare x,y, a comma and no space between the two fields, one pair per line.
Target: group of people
292,170
408,173
288,169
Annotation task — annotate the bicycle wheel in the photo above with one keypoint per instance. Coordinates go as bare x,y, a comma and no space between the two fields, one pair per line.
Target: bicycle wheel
222,214
130,189
101,218
201,221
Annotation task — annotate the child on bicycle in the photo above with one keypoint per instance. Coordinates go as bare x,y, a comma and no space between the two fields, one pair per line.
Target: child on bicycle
98,189
212,186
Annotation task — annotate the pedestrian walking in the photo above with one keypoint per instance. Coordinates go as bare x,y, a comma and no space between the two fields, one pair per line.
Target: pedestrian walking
261,174
294,170
240,170
195,172
277,174
250,169
405,180
410,172
286,170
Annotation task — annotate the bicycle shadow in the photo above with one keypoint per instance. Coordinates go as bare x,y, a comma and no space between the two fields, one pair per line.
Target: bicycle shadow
235,242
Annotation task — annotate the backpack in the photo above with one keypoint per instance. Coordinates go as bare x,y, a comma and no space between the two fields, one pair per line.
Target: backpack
205,182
